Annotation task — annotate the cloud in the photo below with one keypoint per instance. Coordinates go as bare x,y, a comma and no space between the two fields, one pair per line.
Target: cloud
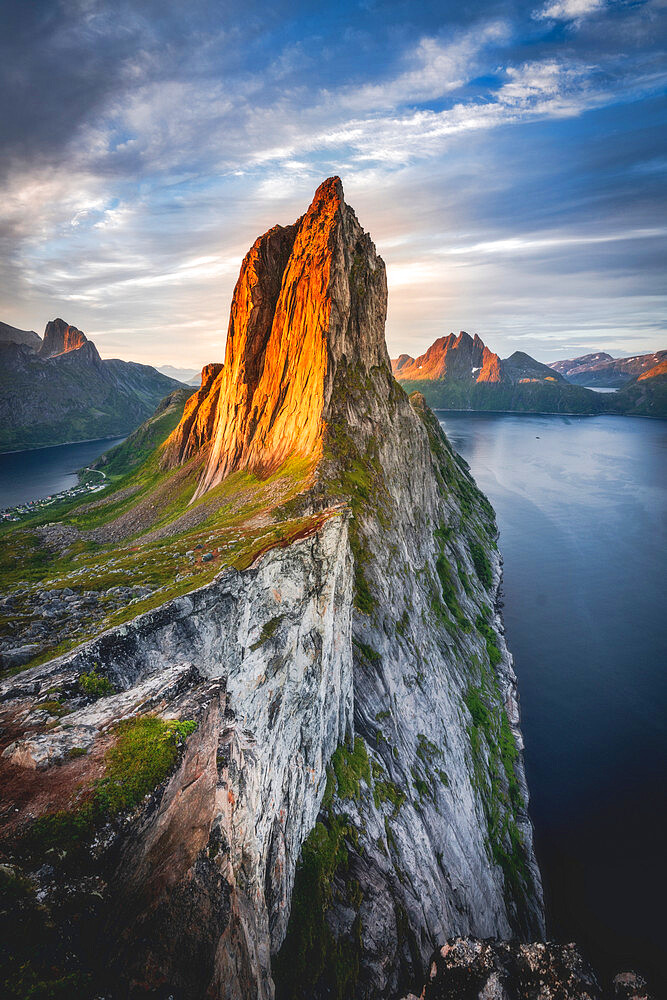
147,144
569,10
436,68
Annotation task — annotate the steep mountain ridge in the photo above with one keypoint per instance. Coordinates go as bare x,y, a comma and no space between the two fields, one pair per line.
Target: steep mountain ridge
462,373
12,335
353,791
65,392
603,371
467,360
291,324
659,368
462,357
563,367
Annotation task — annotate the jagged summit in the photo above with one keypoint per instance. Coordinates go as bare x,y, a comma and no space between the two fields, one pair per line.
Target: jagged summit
462,357
60,337
309,297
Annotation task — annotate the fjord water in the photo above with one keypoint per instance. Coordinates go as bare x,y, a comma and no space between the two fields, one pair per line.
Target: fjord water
35,474
582,511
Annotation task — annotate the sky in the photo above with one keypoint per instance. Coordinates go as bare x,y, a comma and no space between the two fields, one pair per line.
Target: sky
508,159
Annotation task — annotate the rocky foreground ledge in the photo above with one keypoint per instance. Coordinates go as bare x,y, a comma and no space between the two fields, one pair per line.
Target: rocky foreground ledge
466,968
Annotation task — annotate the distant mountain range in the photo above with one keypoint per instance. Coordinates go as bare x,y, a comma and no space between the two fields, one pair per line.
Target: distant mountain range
605,372
462,373
190,376
57,389
10,335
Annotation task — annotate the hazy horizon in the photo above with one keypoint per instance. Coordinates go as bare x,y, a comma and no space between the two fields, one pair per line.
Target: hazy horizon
190,366
508,160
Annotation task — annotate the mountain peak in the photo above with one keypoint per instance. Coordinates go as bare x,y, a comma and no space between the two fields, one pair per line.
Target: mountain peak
59,338
461,357
309,297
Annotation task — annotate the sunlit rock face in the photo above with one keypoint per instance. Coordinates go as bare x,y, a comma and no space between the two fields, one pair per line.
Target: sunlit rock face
292,321
354,793
59,338
196,427
462,357
658,369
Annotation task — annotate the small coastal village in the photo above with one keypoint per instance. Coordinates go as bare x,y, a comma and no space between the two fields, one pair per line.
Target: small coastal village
30,507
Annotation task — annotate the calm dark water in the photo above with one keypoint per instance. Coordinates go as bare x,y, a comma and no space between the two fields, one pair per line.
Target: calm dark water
32,475
582,512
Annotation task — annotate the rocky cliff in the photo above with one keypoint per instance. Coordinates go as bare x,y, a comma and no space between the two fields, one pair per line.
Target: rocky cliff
345,786
462,357
59,338
294,319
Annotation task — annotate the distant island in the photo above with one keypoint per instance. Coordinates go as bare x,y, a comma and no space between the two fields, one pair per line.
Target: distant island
462,373
58,390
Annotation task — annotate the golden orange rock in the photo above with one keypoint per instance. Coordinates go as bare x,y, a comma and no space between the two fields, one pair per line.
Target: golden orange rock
659,369
59,338
309,297
196,426
462,357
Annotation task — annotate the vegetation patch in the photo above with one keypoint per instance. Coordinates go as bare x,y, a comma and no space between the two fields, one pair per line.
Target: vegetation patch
144,753
269,629
95,685
447,585
485,630
388,791
481,564
422,787
348,768
427,750
363,596
494,754
53,707
403,624
368,652
310,953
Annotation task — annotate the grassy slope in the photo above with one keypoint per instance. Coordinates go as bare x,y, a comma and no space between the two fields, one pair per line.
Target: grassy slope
647,398
137,448
115,542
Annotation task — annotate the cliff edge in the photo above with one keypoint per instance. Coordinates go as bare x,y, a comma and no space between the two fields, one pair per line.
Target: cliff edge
324,659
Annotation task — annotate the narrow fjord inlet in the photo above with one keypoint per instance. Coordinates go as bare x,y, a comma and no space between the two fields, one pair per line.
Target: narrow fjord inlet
582,513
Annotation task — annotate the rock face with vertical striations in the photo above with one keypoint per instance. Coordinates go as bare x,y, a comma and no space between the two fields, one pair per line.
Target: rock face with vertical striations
290,325
354,792
59,338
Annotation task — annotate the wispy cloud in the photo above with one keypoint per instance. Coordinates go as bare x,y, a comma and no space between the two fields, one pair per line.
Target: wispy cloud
569,10
186,134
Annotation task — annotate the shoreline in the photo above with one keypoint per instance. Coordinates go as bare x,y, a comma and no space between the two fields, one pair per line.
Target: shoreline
544,413
63,444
